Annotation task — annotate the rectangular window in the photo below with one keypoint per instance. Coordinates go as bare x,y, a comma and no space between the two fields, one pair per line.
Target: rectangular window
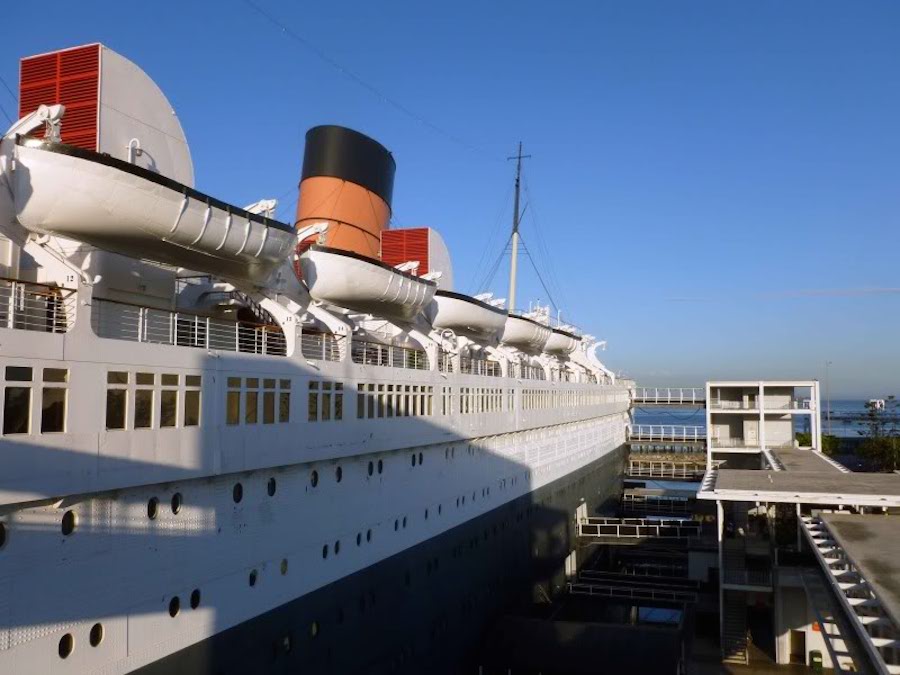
170,380
146,379
112,377
191,407
284,406
53,410
251,411
371,401
234,383
269,406
193,380
326,401
233,407
143,408
313,402
338,402
17,409
115,408
360,401
18,374
56,375
168,407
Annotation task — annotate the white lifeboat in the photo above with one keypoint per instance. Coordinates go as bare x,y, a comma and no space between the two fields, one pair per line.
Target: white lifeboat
118,206
465,315
561,342
525,334
350,280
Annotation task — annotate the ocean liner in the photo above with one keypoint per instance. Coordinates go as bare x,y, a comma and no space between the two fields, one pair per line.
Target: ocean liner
236,445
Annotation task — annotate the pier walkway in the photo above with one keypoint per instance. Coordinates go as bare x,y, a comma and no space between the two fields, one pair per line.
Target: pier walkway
672,396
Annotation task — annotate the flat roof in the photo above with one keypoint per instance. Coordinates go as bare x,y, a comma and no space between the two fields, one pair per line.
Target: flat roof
794,459
802,487
872,543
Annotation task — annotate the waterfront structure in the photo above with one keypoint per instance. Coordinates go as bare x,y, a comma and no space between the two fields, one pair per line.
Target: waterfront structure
233,446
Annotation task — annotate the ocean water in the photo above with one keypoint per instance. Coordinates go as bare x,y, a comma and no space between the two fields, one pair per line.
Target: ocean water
841,410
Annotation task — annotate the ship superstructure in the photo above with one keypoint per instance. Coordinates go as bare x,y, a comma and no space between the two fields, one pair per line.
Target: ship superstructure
209,415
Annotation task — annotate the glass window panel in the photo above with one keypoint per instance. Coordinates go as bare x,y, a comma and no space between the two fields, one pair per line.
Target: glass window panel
143,408
326,407
168,407
17,410
284,407
53,410
339,407
145,378
56,375
234,382
269,384
233,408
112,377
193,380
313,406
269,406
284,384
326,386
169,380
191,408
252,383
115,408
313,385
251,414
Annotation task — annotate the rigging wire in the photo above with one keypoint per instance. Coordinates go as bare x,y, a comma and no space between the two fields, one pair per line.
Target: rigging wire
6,115
538,273
351,75
492,272
489,246
544,250
14,98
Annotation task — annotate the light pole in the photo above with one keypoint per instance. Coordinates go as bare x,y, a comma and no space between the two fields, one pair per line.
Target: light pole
827,399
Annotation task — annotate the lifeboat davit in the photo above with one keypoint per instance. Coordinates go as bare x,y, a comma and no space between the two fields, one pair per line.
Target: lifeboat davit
63,190
561,342
354,281
525,334
465,315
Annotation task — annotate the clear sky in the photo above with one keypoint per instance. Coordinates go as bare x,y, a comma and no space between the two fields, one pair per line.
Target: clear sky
717,183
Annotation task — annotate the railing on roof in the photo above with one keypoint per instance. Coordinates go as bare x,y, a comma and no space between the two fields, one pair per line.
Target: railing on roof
666,432
36,307
526,372
124,321
318,346
391,356
479,367
638,468
670,395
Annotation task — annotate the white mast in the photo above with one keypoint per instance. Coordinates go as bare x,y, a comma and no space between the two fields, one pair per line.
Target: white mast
514,260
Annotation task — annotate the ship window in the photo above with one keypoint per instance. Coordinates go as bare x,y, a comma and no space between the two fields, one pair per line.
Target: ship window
174,606
338,474
269,406
234,382
284,405
66,645
145,378
56,375
284,566
313,402
143,408
115,408
17,407
269,384
153,508
169,380
252,578
191,407
360,401
251,401
385,404
168,407
326,401
371,401
233,408
96,634
112,377
193,380
237,493
338,401
68,523
380,466
284,384
271,487
53,409
2,535
195,598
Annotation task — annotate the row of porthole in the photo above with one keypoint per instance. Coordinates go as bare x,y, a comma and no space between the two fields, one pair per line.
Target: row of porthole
67,642
414,457
175,603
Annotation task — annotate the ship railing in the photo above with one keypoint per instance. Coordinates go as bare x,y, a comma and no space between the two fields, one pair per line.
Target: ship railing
655,504
136,323
445,362
732,442
472,366
319,346
750,404
665,469
36,307
390,356
526,372
670,395
666,432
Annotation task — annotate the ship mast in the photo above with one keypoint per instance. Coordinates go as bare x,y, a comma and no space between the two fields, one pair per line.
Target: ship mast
514,260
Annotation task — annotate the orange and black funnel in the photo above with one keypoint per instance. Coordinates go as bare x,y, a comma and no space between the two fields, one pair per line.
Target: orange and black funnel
348,181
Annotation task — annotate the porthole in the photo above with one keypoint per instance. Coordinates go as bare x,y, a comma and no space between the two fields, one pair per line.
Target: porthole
371,468
404,521
195,598
2,535
396,525
314,478
96,635
174,606
325,551
426,514
338,474
368,535
440,508
237,493
252,579
271,487
152,508
337,547
68,523
413,459
314,629
66,645
284,566
420,458
358,538
176,502
380,466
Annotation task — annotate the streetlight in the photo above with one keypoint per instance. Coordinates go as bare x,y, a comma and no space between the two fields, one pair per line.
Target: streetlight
827,399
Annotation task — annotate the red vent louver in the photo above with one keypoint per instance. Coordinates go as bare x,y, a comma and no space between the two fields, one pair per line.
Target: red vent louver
400,246
70,77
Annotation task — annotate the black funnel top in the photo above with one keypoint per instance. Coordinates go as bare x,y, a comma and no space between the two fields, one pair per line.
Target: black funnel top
342,153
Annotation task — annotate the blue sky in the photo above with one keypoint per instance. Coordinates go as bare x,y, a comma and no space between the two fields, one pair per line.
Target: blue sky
717,183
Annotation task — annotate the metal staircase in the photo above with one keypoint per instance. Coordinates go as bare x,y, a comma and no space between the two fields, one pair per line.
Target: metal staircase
734,627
